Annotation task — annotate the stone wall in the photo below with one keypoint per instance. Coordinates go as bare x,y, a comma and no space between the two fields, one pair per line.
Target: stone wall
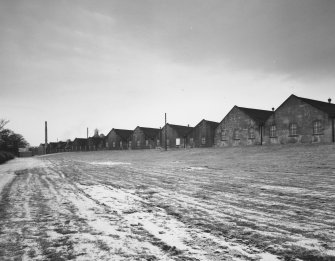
202,135
113,141
172,136
235,130
140,141
296,111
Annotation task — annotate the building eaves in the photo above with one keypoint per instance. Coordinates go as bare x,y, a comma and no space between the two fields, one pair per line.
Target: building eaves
181,130
212,124
259,116
326,107
151,133
123,134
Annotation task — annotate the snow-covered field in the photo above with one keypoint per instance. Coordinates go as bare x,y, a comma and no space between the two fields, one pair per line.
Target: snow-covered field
257,203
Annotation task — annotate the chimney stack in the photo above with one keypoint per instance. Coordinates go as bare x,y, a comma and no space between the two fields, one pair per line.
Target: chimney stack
329,100
46,137
273,109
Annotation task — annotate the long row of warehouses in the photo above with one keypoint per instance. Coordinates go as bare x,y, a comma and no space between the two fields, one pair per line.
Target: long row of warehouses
296,120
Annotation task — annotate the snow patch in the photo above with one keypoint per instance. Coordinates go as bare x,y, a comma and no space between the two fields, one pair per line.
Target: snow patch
169,230
195,168
109,163
158,223
7,170
286,189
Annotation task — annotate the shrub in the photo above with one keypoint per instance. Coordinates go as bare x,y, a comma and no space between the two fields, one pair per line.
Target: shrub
5,156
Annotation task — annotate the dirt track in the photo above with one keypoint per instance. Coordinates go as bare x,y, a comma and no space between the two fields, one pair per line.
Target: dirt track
230,204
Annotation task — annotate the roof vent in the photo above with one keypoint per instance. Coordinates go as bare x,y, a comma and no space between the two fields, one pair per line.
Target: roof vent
273,109
329,100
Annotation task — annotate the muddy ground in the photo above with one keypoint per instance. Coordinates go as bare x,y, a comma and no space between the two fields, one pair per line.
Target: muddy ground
259,203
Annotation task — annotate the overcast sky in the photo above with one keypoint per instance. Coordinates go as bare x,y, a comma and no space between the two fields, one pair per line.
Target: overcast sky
121,64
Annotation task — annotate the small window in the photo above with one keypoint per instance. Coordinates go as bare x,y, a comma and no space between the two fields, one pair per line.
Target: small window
158,142
113,144
251,133
236,135
317,127
293,129
203,140
129,144
147,143
191,140
120,144
106,144
138,143
273,131
178,142
224,134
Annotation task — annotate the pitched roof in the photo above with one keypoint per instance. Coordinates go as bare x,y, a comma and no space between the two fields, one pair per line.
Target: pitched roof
181,130
53,144
326,107
95,140
212,124
61,144
259,116
80,141
150,132
124,134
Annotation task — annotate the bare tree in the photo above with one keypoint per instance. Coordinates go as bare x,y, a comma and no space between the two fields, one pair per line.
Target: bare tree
3,123
9,140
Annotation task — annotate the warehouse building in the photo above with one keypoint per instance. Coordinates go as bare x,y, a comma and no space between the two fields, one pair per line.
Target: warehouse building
301,120
118,139
203,134
242,127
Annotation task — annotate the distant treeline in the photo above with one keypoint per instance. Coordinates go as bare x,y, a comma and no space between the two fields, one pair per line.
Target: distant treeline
10,142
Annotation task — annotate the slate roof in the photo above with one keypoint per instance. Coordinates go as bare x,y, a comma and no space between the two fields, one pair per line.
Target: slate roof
95,140
213,124
124,134
326,107
259,116
151,133
181,130
61,145
53,144
80,141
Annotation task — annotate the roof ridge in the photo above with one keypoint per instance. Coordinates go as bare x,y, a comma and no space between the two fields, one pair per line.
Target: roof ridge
148,128
327,107
313,100
258,115
252,109
122,129
209,122
180,125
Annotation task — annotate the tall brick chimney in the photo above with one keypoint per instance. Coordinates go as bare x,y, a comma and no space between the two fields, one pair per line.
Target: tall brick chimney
46,137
